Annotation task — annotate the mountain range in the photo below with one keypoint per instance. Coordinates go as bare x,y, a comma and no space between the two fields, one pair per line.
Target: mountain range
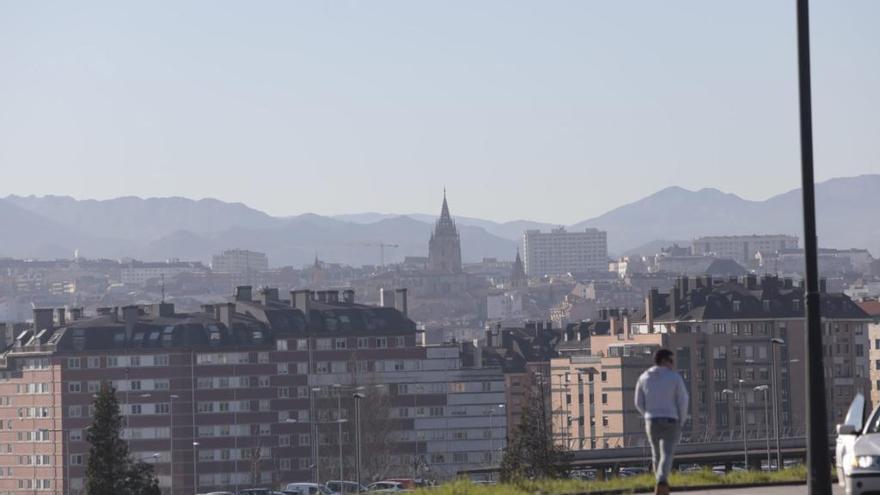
160,228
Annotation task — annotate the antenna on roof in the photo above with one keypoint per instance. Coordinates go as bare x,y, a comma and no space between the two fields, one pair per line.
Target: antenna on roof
163,288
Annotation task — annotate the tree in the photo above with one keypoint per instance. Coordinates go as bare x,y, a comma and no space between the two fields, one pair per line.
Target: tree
532,453
110,469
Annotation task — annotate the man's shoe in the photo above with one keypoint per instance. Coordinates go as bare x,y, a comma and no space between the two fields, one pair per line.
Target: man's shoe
662,488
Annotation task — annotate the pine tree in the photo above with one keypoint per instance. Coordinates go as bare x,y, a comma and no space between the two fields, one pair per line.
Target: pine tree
532,453
109,468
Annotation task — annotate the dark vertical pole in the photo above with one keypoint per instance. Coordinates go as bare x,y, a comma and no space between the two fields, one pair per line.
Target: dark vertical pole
819,468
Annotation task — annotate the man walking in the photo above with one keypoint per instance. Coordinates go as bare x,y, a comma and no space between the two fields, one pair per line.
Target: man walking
662,398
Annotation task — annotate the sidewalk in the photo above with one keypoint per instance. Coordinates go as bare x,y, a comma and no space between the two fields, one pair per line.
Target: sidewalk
772,490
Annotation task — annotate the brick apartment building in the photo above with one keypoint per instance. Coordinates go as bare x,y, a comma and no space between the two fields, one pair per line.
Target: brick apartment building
237,395
720,331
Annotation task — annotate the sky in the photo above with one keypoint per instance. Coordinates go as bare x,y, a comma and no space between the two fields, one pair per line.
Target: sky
553,111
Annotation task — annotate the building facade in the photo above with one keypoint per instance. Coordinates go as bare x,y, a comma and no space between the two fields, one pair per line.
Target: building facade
239,261
741,248
558,251
254,392
138,273
720,331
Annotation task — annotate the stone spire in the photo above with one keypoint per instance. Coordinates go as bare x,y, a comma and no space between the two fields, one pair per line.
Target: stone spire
444,247
518,278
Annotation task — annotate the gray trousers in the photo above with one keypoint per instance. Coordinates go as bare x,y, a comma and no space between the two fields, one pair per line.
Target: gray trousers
664,435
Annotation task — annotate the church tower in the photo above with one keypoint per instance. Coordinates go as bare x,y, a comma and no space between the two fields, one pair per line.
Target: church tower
518,278
444,248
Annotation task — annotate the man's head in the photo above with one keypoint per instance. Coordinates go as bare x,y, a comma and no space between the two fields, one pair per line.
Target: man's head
663,357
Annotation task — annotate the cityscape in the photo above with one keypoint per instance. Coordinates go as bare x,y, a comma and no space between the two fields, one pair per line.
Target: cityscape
331,248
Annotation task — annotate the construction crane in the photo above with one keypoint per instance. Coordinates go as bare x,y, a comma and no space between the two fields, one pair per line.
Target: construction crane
381,246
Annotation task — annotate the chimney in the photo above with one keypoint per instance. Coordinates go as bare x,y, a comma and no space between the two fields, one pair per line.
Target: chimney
43,319
674,301
478,354
243,293
685,287
302,300
225,312
129,316
75,314
333,296
823,285
626,326
348,296
751,281
649,310
420,337
400,302
208,308
787,283
268,295
614,329
386,298
708,281
59,316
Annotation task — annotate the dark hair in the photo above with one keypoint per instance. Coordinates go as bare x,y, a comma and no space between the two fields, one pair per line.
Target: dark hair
662,355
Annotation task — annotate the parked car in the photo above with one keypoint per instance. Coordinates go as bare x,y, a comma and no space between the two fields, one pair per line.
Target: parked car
857,449
258,491
345,487
309,489
387,487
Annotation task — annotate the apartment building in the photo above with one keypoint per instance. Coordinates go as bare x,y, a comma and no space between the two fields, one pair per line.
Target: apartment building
742,248
256,391
239,261
720,331
560,251
138,273
872,308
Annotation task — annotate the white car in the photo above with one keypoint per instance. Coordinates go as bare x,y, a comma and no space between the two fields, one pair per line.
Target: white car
858,450
309,489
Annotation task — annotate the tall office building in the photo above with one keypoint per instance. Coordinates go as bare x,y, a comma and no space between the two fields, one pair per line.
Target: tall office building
559,251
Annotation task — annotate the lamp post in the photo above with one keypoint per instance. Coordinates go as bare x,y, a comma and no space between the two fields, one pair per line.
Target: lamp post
171,398
766,390
317,433
776,341
357,396
339,422
742,400
195,467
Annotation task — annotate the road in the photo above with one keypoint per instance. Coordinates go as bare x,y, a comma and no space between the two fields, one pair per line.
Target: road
770,490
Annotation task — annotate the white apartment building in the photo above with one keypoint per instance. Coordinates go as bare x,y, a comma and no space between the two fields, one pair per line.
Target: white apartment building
239,261
742,248
559,251
138,273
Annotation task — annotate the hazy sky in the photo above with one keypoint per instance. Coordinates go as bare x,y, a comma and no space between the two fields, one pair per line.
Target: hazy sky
548,110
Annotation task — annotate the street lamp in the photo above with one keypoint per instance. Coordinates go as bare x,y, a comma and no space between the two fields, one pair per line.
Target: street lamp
195,467
317,448
728,391
357,396
766,390
742,400
339,422
172,397
775,341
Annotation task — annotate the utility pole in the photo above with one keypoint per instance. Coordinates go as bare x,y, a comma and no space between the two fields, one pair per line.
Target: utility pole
818,471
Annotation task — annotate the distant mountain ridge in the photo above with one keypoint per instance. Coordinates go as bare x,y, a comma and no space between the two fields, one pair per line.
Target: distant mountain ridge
159,228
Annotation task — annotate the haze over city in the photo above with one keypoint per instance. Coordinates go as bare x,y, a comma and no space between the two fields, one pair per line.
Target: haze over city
439,248
342,107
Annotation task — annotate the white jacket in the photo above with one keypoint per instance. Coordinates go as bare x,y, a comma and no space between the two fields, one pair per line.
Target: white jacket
661,393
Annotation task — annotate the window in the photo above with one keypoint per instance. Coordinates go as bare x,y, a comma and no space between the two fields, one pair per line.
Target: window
161,360
73,363
604,398
364,343
76,459
74,411
381,342
262,357
323,344
112,362
736,306
339,343
74,387
282,368
604,420
263,381
93,362
604,376
136,409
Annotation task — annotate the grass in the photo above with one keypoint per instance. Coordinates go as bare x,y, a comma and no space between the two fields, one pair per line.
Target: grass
633,483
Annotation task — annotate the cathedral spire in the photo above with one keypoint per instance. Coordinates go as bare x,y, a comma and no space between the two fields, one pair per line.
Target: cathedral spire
444,211
444,248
